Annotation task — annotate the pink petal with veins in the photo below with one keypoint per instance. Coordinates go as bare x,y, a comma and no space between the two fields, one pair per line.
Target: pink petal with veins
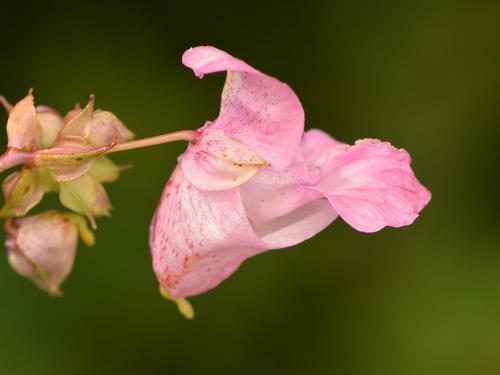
371,185
199,238
256,109
271,194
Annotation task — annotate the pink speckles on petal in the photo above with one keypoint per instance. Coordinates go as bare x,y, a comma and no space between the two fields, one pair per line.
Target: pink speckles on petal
371,185
198,238
258,110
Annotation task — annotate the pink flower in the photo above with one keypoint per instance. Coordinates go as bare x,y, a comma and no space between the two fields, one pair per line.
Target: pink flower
252,181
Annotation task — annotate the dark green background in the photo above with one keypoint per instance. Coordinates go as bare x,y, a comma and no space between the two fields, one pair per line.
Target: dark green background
418,300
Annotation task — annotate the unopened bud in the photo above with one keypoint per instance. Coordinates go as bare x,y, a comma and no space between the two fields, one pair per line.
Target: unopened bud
42,247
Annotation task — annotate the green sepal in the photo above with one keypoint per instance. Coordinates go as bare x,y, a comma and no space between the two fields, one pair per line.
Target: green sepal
104,170
79,126
22,192
86,234
86,196
71,160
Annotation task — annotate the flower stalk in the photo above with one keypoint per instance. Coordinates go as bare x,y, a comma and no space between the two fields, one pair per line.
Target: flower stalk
183,135
13,157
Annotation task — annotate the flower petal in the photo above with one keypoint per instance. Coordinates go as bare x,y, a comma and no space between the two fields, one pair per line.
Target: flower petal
298,225
198,238
271,194
371,185
258,110
217,162
316,147
21,125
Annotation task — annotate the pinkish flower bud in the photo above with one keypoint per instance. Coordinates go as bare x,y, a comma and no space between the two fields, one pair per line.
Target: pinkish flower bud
50,124
43,247
106,128
21,125
85,135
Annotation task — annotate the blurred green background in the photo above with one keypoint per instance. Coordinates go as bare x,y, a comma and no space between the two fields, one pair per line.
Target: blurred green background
418,300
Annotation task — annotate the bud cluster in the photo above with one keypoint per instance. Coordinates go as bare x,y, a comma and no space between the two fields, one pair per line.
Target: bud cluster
64,155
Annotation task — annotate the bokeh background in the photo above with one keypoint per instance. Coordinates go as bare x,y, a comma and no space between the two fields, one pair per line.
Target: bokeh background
418,300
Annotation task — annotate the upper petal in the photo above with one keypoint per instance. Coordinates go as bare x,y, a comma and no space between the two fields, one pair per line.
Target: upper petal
371,185
258,110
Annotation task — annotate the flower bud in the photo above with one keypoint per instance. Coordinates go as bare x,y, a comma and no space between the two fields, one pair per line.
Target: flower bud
50,124
21,125
43,247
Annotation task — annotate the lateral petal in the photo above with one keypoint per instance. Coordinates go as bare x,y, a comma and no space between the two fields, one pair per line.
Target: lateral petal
371,185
